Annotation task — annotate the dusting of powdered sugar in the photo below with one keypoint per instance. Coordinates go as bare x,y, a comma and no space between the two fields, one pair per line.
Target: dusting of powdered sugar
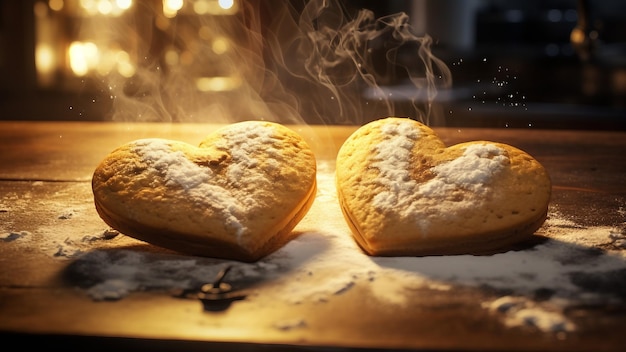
392,159
176,168
242,142
472,172
255,156
202,186
197,181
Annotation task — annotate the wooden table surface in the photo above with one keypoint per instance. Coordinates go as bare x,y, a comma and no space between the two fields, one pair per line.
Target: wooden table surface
46,210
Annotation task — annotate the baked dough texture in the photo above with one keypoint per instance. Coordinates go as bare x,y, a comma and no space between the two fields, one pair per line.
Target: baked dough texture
236,196
404,193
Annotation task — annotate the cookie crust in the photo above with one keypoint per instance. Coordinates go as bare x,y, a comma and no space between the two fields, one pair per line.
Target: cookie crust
238,195
404,193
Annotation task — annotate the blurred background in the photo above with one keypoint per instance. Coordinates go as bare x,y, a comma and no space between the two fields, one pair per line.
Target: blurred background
514,64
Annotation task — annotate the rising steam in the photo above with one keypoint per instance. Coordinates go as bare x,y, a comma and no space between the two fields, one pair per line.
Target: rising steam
313,63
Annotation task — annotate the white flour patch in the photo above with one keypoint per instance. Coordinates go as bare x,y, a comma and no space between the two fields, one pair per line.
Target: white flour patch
113,289
63,231
519,311
472,171
392,160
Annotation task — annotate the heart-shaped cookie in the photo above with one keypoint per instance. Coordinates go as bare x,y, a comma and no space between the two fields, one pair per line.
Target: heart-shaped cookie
236,196
404,193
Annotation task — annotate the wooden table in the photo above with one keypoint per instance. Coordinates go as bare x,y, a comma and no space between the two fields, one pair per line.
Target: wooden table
49,227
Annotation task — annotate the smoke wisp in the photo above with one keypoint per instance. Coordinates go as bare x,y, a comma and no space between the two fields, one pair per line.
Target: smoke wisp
308,63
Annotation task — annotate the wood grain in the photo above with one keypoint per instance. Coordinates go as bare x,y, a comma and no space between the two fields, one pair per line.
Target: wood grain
45,169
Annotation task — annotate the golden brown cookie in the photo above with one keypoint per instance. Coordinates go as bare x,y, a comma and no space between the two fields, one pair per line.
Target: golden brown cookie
404,193
236,196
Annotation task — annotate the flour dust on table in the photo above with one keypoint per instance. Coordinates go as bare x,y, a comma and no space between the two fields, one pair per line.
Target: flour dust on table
531,287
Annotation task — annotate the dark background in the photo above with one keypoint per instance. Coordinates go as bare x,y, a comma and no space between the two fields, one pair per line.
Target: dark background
525,43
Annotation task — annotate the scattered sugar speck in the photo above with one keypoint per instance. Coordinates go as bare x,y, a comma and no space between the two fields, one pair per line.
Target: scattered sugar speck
12,236
111,290
324,262
290,324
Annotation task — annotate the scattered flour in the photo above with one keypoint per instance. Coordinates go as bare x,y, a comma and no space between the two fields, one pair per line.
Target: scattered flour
574,266
13,236
290,324
62,231
618,238
520,311
113,289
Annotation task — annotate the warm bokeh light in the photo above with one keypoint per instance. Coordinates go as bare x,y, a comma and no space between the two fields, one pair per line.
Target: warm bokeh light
105,7
220,45
125,66
226,4
171,57
124,4
214,7
171,7
201,7
56,5
218,84
83,56
44,59
94,49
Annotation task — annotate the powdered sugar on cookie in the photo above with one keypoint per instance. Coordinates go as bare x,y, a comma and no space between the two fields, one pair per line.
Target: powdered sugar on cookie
178,171
175,167
471,172
254,156
392,159
237,195
242,142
